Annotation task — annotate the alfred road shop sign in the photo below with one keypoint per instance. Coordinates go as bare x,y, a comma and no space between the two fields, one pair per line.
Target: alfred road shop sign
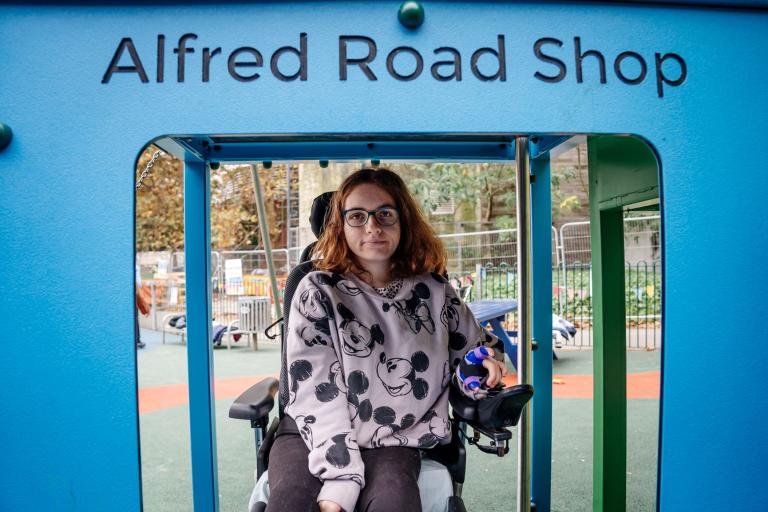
556,59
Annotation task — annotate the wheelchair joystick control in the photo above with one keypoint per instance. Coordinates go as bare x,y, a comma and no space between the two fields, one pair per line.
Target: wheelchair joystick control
471,372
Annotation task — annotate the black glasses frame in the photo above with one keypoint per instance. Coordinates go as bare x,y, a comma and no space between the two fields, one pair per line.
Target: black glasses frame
371,212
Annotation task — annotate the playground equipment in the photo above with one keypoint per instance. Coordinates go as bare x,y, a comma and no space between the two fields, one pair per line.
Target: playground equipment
85,87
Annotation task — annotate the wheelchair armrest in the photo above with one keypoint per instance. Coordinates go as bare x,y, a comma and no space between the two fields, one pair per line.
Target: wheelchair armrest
255,403
502,408
489,416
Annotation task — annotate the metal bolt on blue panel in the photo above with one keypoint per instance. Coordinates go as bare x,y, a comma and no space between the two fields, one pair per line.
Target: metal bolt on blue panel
411,15
6,134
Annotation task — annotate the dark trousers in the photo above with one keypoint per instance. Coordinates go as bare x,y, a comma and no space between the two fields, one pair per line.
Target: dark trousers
391,476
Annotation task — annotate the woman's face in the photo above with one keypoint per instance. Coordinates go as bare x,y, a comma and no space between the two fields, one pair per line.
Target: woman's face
372,243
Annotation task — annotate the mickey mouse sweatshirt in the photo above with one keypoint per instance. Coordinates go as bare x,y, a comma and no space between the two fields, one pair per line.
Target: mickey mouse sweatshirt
366,371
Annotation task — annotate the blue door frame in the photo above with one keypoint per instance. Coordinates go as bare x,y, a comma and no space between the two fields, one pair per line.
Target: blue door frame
197,253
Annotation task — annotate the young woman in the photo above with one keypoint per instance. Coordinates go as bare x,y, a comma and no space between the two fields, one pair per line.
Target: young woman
375,338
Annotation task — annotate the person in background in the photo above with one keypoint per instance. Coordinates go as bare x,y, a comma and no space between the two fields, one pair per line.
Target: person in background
142,307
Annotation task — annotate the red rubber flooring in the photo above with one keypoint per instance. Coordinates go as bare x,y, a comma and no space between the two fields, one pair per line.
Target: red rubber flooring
639,385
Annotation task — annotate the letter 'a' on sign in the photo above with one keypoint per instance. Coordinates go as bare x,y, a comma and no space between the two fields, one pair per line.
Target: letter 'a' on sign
114,67
440,67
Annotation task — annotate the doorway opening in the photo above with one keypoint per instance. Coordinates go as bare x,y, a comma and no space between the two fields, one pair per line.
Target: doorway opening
465,184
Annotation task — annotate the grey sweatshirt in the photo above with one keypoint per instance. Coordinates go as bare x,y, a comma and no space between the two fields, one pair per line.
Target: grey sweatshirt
368,372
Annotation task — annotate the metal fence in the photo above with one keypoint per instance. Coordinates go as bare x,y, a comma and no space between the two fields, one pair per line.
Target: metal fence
494,275
572,279
641,241
572,298
481,265
254,279
465,251
234,274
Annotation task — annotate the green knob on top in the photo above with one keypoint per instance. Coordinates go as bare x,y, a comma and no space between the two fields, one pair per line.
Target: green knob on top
324,164
411,15
5,136
375,163
267,164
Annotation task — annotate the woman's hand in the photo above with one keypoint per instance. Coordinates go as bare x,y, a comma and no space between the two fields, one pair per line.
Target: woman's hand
329,506
496,370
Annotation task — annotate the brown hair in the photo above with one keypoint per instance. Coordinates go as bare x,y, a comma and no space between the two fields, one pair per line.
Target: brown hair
419,250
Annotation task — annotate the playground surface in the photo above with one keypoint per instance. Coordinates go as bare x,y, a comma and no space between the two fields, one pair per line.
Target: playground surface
490,483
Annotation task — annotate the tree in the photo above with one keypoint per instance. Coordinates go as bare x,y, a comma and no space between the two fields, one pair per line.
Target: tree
234,219
160,204
463,183
492,183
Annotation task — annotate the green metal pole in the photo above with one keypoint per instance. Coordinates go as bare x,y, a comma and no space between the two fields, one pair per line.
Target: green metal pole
610,357
265,237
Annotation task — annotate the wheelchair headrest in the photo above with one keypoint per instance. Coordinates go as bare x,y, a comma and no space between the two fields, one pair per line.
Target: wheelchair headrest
319,213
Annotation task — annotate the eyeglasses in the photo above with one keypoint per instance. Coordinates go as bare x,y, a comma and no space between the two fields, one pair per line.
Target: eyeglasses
358,217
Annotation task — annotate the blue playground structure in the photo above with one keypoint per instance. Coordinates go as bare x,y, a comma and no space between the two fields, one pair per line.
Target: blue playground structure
86,86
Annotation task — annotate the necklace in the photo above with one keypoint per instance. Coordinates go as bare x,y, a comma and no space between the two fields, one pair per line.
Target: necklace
391,290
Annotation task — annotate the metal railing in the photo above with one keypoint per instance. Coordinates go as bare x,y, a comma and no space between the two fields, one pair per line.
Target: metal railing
572,298
572,294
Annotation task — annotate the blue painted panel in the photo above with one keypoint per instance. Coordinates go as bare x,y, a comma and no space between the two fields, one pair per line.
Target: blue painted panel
67,204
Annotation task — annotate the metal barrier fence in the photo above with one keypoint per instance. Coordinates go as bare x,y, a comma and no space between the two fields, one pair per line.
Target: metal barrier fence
244,273
481,265
642,241
499,247
234,274
494,276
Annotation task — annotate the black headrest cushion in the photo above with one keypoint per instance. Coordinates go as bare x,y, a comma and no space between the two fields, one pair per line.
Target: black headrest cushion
317,216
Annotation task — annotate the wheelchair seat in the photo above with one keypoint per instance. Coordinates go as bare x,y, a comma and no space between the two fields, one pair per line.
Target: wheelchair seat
434,488
443,466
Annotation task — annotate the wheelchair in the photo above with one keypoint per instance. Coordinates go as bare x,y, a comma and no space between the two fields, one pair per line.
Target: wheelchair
489,418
